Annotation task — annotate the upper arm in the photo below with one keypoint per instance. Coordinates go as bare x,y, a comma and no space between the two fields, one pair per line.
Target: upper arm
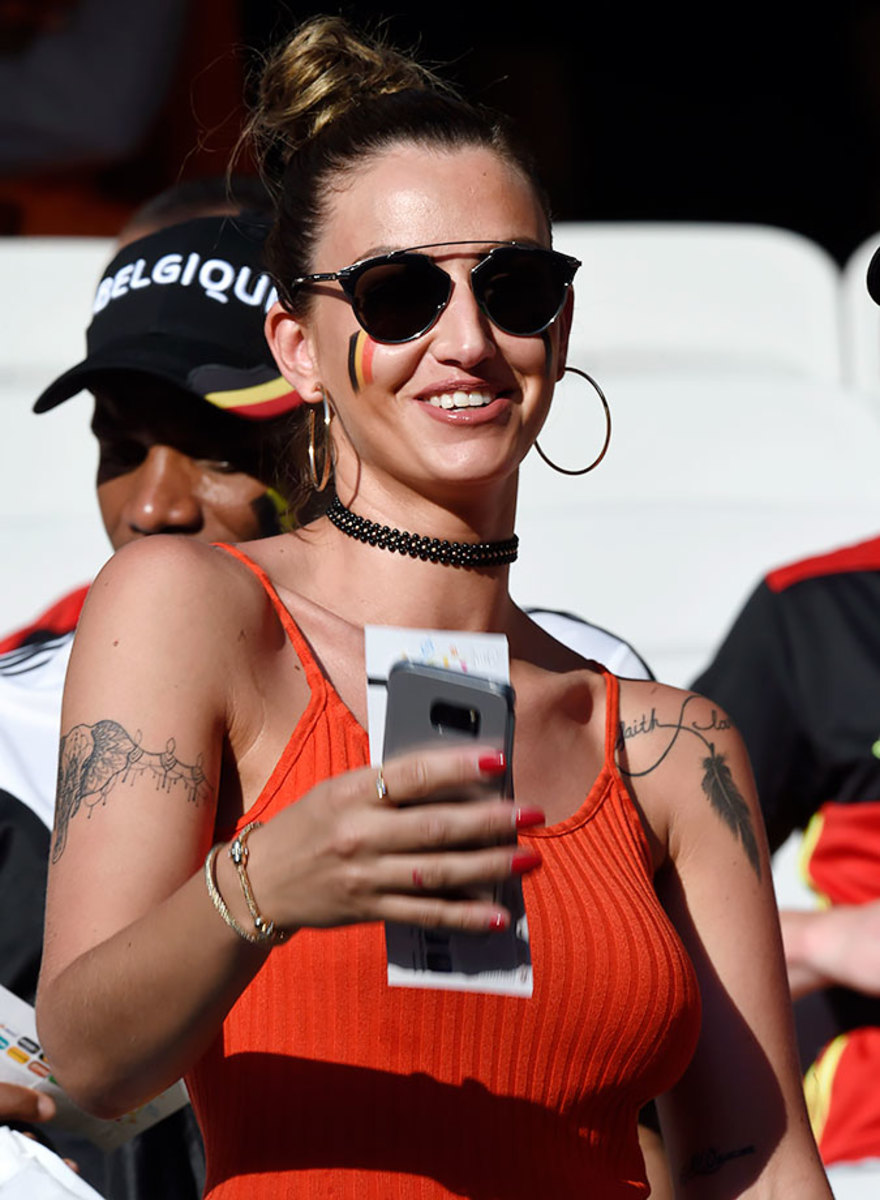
738,1109
142,738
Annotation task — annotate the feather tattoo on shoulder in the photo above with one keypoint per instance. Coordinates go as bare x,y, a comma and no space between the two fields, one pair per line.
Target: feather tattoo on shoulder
725,798
717,781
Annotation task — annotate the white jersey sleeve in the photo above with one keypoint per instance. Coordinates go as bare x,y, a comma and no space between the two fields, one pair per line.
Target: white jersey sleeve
31,689
593,642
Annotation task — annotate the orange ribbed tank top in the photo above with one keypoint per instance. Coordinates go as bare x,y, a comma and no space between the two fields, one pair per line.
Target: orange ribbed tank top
325,1082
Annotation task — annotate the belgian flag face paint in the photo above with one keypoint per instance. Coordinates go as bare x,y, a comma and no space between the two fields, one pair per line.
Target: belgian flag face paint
360,360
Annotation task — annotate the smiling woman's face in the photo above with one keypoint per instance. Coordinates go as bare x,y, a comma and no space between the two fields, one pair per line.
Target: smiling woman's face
462,403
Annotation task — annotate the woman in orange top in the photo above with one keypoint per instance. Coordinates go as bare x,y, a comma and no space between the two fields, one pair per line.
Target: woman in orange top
425,314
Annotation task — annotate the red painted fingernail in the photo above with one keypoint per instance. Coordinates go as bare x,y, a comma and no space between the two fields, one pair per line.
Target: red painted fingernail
498,921
524,818
524,860
492,764
418,882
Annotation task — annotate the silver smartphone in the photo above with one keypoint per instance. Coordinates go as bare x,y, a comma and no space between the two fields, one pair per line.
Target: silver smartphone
429,706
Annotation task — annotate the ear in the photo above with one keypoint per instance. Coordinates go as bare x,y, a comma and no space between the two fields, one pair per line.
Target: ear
291,347
564,321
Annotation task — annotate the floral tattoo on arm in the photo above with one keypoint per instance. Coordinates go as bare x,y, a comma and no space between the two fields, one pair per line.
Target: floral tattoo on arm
95,759
717,780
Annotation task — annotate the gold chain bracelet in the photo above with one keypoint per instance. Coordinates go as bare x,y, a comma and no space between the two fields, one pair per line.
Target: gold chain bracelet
239,853
218,901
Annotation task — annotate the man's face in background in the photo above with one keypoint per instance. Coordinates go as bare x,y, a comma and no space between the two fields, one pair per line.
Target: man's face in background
170,462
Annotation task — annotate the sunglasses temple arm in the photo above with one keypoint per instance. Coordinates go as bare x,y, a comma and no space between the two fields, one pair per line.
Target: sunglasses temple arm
326,277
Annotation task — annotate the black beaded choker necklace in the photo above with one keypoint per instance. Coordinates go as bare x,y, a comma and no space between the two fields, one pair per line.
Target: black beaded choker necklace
450,554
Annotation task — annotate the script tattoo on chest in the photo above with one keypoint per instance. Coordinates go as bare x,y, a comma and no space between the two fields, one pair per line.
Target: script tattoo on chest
95,759
717,781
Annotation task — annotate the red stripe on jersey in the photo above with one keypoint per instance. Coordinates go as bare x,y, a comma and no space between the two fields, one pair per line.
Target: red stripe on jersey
60,618
865,556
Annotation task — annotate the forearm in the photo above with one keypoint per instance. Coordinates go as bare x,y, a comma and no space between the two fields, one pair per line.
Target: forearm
123,1012
127,1018
831,947
804,975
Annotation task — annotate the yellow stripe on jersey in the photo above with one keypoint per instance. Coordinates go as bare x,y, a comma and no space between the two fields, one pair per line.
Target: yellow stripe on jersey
819,1081
808,845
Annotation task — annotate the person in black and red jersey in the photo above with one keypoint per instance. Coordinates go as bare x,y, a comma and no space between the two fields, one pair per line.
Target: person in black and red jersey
799,673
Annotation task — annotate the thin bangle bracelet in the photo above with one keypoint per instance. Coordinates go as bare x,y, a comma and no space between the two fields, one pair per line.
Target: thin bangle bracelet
239,853
220,904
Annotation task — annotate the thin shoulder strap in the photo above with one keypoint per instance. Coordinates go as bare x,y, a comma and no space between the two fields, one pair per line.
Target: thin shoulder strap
314,675
612,716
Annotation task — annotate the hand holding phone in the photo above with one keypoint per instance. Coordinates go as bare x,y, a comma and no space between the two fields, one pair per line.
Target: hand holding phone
430,705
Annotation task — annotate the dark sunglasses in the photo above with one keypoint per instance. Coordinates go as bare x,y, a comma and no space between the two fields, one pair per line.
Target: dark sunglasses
397,297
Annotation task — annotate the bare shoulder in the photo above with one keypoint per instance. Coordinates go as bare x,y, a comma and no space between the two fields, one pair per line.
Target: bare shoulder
157,572
687,768
164,634
169,592
154,679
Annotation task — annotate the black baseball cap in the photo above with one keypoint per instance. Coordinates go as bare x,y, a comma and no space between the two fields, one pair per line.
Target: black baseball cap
187,304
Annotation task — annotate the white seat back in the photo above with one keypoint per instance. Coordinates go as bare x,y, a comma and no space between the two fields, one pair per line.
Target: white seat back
861,325
707,297
51,536
736,446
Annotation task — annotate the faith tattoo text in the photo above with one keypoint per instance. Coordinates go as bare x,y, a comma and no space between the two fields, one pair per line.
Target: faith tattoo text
717,781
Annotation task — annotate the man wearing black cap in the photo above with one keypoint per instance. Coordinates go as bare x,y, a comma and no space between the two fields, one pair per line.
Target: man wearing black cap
799,673
191,417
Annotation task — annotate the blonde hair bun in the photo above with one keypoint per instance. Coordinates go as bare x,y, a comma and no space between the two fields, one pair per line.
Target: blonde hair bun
321,73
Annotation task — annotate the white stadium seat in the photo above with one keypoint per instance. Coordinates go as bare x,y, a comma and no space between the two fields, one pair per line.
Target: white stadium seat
51,537
861,325
736,445
720,298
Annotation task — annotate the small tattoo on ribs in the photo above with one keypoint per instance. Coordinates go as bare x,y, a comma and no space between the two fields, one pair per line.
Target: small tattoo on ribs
710,1162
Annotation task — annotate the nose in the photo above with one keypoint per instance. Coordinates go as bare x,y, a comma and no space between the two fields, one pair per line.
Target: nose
463,334
163,495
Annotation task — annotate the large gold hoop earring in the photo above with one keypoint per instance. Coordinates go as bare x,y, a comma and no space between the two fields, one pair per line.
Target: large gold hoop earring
583,470
320,484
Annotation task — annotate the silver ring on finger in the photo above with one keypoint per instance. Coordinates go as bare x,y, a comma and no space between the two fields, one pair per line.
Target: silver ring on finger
381,785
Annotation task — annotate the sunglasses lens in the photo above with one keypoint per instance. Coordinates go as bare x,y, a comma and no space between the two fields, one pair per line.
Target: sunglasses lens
522,291
398,299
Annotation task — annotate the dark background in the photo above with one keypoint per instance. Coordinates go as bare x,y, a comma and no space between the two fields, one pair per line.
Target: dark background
756,113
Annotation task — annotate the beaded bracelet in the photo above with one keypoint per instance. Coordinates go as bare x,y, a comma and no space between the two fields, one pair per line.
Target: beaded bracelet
239,853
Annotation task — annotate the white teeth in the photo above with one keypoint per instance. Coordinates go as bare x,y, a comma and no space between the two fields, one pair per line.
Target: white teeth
461,400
